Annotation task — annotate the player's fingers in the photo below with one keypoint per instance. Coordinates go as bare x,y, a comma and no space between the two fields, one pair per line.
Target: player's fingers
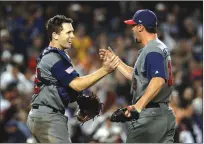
116,59
131,108
116,65
101,56
115,62
105,58
127,113
110,49
102,50
108,52
112,58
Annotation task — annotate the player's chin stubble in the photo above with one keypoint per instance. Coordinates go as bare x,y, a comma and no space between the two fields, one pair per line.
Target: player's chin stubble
137,41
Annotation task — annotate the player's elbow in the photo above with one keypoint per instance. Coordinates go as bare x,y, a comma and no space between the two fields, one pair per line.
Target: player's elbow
78,89
159,81
129,77
76,85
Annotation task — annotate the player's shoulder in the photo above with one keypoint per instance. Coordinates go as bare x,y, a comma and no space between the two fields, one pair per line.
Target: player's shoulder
156,46
52,56
50,59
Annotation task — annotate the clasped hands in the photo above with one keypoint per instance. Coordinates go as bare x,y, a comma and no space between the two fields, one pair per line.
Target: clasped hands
110,60
110,63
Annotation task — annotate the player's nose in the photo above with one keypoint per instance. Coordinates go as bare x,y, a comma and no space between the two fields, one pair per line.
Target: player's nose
72,35
132,28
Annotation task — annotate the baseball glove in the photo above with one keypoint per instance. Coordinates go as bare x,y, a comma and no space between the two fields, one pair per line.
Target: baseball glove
119,115
89,107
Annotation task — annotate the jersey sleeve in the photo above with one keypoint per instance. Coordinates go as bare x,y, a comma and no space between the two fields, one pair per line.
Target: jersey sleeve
64,72
155,66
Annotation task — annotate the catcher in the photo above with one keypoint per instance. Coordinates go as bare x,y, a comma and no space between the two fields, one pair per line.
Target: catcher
57,84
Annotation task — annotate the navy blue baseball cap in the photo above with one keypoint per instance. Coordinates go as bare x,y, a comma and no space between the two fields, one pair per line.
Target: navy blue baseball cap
145,17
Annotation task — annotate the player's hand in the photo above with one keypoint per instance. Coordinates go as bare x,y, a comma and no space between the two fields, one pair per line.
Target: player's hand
106,52
110,64
128,111
125,114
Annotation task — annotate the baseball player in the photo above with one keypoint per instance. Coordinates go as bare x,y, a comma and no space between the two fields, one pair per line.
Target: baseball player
57,84
149,118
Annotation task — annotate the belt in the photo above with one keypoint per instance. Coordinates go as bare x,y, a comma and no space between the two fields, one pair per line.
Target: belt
154,105
48,107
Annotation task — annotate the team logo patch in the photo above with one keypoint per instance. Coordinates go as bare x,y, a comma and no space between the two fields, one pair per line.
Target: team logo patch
69,70
156,72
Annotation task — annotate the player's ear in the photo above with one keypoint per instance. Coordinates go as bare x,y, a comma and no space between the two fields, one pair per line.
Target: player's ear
141,28
55,35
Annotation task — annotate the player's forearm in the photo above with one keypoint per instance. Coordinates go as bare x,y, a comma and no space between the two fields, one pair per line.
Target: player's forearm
153,89
84,82
125,70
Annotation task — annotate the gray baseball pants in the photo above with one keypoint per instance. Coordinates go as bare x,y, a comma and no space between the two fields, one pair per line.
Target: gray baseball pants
48,127
155,125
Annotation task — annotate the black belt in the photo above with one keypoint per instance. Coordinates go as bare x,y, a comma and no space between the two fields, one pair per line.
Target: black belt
154,105
53,109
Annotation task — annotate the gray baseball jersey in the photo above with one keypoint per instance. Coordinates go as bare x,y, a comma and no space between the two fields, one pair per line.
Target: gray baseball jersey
153,61
46,119
54,72
155,125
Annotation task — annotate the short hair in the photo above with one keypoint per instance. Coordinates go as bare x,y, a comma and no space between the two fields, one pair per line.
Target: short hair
54,24
151,29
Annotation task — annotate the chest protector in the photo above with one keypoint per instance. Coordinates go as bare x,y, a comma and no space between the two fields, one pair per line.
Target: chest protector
66,94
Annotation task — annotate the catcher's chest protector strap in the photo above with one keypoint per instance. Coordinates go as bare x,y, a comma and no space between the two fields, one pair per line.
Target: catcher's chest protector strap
56,50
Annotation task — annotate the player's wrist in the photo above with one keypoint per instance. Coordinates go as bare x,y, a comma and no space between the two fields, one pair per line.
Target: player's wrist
137,109
105,70
120,63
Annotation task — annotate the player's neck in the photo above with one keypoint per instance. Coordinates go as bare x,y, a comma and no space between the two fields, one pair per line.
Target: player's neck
149,37
55,44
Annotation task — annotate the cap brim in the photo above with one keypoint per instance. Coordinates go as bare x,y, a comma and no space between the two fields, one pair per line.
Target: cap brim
130,22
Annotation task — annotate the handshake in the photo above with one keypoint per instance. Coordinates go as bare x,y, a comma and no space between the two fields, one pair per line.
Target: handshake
110,60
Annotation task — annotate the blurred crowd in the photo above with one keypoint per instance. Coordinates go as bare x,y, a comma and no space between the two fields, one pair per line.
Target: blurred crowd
99,25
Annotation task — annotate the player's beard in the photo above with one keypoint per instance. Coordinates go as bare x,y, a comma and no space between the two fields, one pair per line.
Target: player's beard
138,41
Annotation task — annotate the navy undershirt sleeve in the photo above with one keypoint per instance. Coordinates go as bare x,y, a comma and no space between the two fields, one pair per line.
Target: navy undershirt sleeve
155,66
64,72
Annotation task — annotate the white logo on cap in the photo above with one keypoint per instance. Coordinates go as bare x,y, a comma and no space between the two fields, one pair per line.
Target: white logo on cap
140,21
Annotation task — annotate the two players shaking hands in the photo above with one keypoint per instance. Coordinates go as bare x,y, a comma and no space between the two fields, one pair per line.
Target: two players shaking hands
90,106
122,114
